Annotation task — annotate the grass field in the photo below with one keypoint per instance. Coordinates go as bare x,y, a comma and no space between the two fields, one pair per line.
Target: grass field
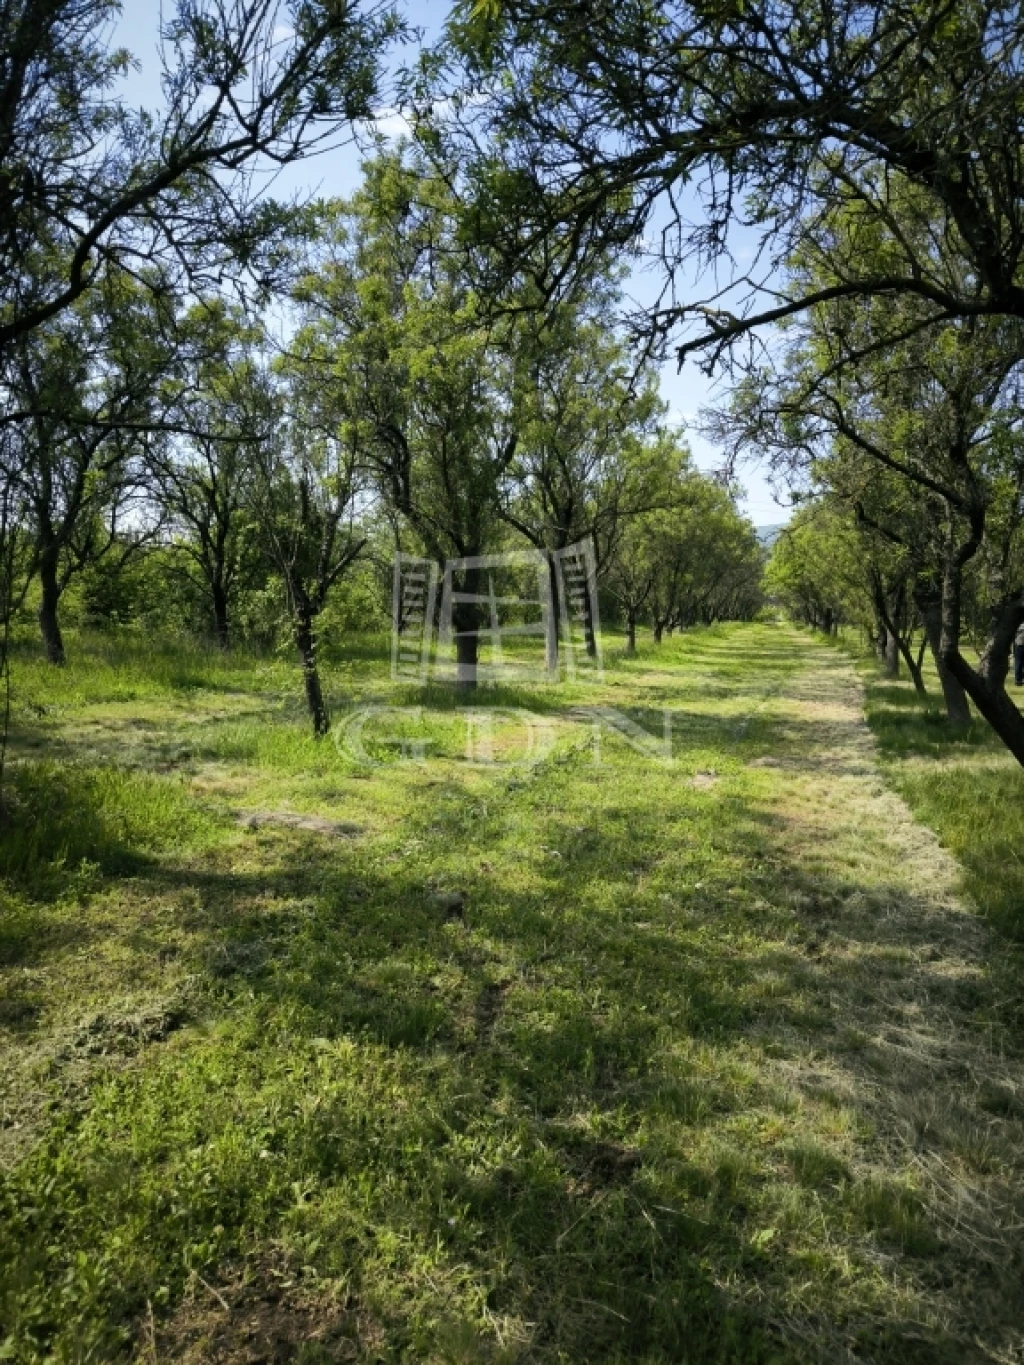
578,1055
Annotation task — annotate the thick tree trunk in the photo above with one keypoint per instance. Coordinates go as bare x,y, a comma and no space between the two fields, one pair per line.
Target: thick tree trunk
658,628
892,654
958,712
993,703
986,684
305,640
631,633
220,615
466,623
49,624
467,654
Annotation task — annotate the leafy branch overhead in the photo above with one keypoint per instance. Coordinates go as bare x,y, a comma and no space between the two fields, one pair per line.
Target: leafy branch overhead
169,194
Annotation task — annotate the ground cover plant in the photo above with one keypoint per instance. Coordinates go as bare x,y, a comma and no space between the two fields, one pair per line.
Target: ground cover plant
306,1058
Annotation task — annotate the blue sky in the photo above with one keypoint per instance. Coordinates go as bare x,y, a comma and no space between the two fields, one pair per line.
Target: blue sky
336,172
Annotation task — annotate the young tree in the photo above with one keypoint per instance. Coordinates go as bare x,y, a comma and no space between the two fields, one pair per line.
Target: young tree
413,375
86,379
632,575
204,467
308,499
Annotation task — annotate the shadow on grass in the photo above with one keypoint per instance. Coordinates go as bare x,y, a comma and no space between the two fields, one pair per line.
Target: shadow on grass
587,1114
531,1113
970,792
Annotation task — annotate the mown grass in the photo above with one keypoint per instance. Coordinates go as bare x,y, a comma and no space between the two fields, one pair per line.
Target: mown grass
960,782
272,1094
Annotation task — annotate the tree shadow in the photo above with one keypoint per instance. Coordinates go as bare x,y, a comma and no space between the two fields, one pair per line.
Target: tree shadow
615,1215
594,1089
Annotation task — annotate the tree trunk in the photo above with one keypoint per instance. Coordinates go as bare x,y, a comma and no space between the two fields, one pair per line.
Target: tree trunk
913,665
49,625
589,634
993,703
986,684
631,632
958,712
305,639
889,639
466,624
551,633
658,628
467,653
220,614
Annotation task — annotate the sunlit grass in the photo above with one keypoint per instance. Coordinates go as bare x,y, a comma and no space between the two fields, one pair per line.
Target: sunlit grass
963,784
554,1056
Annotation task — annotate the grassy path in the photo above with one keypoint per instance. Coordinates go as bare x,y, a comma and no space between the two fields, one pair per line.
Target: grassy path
551,1060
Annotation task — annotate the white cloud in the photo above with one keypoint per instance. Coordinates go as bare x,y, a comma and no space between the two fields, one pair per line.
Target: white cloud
391,123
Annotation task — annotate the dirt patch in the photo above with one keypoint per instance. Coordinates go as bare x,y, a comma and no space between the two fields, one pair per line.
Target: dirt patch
315,824
260,1315
596,1165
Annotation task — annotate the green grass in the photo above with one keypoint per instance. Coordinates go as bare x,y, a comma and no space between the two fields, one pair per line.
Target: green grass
655,1094
963,784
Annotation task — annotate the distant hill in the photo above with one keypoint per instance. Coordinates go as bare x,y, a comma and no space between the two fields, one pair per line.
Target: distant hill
768,535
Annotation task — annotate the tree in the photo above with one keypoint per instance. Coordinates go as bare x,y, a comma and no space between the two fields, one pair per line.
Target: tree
708,561
595,125
15,568
307,497
635,559
588,459
86,379
90,188
632,574
814,569
204,472
415,379
926,441
692,559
